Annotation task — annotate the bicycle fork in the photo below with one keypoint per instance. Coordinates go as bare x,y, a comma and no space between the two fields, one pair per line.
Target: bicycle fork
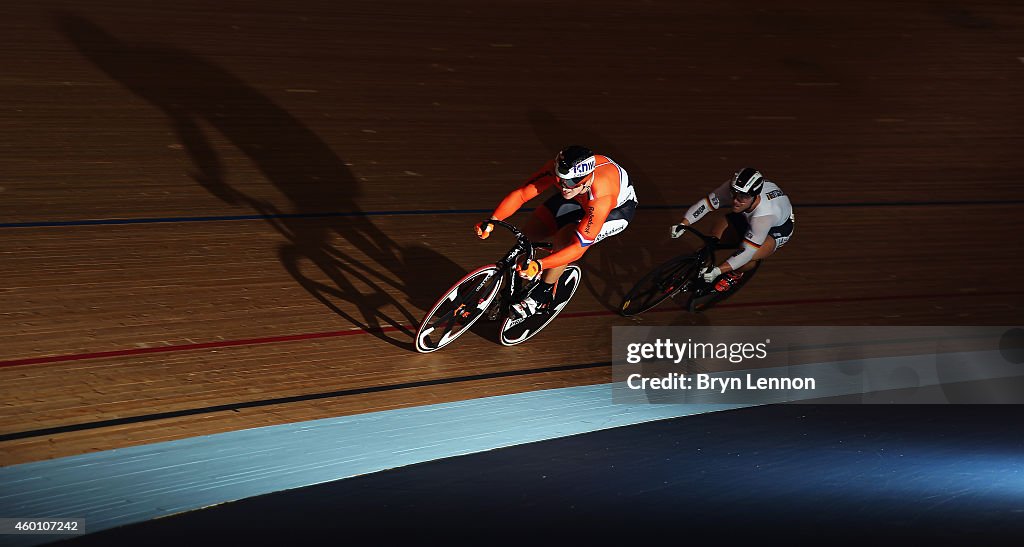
463,311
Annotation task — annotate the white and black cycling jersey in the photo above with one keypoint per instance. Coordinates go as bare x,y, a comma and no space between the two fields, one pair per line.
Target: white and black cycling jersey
772,216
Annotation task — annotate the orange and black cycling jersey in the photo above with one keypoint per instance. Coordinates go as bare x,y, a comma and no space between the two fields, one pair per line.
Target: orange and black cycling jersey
609,188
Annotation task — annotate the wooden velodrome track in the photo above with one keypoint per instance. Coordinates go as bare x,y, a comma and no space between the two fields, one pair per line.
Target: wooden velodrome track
300,181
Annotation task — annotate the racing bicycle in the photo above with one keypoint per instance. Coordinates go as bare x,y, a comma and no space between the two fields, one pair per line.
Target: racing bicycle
491,291
681,277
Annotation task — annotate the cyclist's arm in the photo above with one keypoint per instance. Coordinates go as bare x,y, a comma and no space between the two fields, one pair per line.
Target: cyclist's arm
596,212
754,239
540,181
712,202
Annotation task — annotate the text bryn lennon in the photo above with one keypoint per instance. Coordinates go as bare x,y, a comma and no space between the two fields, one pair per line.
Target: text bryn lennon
721,384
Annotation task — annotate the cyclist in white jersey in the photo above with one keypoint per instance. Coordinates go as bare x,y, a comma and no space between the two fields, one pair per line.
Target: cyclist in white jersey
760,210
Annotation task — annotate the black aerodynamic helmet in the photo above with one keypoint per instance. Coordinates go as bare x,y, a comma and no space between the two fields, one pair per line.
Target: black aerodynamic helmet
748,181
573,164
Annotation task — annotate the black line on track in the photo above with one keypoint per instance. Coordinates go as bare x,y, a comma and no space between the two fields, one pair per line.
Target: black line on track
236,218
294,399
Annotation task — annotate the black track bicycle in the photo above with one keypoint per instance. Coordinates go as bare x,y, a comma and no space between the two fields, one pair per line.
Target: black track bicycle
491,291
681,277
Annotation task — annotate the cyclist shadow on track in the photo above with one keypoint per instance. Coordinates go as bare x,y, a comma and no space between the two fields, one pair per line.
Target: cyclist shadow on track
193,93
613,265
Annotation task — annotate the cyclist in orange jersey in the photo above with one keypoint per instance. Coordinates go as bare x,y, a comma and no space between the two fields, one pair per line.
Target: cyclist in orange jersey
595,200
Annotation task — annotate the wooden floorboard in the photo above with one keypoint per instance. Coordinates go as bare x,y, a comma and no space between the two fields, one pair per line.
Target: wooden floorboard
289,115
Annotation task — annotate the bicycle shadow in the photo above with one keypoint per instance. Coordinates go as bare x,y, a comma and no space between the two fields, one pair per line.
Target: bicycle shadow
488,330
194,92
614,264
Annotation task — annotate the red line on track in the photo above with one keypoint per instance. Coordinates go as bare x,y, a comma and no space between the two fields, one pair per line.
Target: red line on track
183,347
357,332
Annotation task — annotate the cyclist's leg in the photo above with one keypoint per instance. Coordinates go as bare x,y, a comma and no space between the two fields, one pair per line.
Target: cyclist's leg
541,224
719,226
777,237
731,228
565,237
617,221
556,218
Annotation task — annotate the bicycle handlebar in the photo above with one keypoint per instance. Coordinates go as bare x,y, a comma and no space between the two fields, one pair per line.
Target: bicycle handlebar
708,240
515,231
523,244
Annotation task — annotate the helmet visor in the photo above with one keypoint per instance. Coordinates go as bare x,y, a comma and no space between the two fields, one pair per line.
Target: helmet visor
568,183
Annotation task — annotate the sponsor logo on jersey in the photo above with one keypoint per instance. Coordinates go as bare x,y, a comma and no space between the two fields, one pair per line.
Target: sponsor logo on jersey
699,211
609,233
774,194
713,198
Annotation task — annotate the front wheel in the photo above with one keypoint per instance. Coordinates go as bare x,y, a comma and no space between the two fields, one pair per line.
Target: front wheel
460,307
662,282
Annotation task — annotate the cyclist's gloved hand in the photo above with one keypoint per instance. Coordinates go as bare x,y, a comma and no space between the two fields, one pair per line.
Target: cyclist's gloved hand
529,270
711,273
483,229
677,230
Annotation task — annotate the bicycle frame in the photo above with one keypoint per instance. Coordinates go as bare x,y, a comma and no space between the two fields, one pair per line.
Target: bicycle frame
703,294
510,294
706,254
668,279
